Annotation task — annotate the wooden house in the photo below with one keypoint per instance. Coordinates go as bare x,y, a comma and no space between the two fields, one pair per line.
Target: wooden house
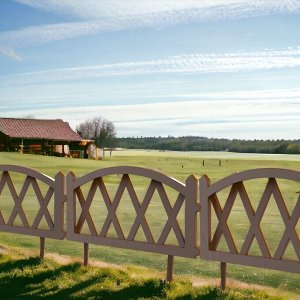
46,137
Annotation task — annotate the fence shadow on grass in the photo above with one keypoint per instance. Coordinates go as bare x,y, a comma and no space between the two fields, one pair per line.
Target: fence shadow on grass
36,279
19,278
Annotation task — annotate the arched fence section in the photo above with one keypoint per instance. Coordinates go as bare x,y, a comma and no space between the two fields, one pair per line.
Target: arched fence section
79,212
267,253
142,209
28,184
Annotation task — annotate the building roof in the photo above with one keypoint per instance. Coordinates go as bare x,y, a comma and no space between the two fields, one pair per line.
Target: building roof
57,130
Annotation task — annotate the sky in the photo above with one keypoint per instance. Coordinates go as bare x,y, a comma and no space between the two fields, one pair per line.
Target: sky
211,68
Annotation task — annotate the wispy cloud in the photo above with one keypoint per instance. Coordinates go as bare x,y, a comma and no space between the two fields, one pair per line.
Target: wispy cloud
204,9
192,63
235,119
265,95
94,17
11,53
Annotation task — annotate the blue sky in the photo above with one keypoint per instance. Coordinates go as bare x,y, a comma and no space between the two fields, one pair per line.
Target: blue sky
214,68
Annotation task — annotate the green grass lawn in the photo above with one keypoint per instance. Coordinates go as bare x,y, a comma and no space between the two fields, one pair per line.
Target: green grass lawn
23,276
179,165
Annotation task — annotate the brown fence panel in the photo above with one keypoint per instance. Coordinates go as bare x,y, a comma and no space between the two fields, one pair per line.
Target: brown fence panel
265,257
78,211
30,224
218,231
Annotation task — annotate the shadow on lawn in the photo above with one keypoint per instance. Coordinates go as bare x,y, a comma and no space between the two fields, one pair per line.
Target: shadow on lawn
33,279
22,276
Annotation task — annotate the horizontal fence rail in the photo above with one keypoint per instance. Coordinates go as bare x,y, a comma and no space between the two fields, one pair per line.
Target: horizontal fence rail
210,203
98,203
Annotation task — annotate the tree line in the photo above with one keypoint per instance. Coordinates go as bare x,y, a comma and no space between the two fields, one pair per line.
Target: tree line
103,132
196,143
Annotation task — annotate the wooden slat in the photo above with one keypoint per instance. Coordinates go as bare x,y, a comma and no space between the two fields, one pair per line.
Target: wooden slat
290,233
85,206
18,209
111,211
43,211
222,215
140,214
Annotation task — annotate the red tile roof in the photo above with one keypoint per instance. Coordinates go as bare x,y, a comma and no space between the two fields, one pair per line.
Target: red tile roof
57,130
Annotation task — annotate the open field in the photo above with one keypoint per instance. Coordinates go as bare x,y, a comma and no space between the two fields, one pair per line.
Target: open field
179,165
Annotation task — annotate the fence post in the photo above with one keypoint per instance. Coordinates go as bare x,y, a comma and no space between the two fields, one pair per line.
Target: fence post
170,268
223,266
191,209
71,207
85,254
59,204
42,247
205,216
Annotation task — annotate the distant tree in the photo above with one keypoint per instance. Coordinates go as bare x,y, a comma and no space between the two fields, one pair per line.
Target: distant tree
293,148
28,117
100,130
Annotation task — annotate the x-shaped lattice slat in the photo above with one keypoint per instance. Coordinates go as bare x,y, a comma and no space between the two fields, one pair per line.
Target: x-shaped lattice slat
251,216
43,211
112,206
17,210
140,212
222,215
2,183
290,230
85,206
2,222
172,215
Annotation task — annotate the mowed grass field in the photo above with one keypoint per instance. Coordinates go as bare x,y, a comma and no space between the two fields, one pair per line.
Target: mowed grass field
178,165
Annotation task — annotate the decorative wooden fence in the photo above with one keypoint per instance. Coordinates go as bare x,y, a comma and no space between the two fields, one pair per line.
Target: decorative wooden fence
210,202
82,226
55,192
186,194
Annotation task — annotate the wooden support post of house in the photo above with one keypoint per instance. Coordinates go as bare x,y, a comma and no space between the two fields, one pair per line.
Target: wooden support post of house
51,148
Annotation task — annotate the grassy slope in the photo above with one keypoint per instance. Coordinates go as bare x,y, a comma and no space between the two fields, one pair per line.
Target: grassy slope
23,276
179,165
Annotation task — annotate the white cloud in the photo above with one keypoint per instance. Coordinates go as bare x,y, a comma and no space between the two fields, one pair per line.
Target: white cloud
192,63
102,16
